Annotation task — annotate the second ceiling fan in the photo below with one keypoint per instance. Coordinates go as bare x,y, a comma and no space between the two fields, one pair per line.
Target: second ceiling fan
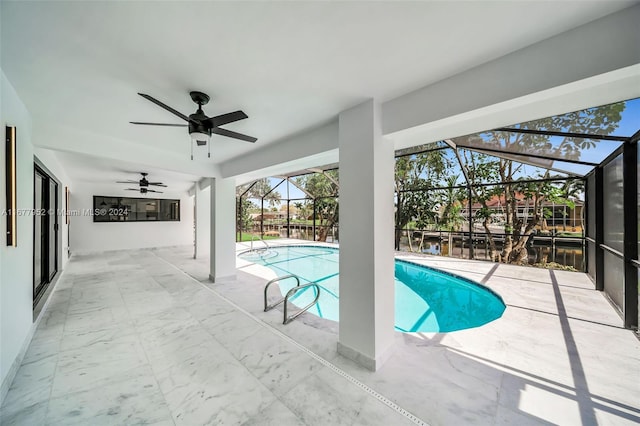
144,183
200,125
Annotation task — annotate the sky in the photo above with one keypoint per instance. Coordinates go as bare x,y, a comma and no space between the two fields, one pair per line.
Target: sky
628,125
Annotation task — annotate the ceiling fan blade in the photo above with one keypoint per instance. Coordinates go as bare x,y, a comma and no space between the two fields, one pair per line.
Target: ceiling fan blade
153,190
221,120
132,189
157,184
159,124
127,181
235,135
167,107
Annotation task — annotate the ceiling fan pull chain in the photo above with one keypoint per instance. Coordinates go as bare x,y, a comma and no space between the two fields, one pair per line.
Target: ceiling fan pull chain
192,150
209,148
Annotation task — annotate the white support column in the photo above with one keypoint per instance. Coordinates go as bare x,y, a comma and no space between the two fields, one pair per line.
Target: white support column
196,190
222,254
202,212
366,237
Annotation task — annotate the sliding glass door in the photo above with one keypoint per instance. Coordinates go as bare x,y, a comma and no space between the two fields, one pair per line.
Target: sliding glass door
38,235
45,232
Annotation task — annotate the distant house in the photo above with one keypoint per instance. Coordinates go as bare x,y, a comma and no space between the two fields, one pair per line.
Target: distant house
561,214
269,216
277,215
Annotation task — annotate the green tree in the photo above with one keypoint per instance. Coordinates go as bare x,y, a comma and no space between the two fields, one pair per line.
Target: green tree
254,190
451,208
303,209
451,200
413,174
245,222
485,169
323,187
258,190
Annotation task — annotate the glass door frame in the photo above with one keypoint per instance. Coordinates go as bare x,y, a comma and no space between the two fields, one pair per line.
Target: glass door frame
49,227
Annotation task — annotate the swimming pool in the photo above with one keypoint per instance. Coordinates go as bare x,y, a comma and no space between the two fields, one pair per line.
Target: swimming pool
426,299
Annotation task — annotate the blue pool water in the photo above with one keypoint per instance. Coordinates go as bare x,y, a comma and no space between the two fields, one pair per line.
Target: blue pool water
426,299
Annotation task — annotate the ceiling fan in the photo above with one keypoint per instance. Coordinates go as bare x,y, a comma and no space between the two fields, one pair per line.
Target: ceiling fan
144,183
143,190
200,126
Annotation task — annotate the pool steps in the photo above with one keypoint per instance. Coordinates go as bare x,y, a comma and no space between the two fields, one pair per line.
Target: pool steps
287,319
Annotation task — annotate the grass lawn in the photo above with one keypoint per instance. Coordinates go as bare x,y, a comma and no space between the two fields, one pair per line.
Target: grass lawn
256,237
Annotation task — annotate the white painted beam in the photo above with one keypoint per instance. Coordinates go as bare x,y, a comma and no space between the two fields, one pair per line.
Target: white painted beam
607,45
311,143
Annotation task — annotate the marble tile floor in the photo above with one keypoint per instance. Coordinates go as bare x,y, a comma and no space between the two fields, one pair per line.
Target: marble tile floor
130,339
558,355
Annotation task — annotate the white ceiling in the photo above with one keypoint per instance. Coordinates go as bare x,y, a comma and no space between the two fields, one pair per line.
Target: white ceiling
288,65
95,171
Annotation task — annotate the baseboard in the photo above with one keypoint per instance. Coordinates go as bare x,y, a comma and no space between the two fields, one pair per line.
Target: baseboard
225,278
90,252
17,362
365,361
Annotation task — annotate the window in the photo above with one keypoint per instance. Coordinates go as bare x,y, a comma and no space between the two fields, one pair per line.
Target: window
123,209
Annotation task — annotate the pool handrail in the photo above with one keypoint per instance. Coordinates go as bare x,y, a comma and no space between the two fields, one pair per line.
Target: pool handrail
276,279
293,291
263,242
256,250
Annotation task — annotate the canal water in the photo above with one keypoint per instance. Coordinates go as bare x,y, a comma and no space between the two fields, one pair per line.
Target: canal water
544,251
572,256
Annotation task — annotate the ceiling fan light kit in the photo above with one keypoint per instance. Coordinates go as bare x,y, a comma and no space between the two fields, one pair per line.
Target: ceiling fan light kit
143,190
200,125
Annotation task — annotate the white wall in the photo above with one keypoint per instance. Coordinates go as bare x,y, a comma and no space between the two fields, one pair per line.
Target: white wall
88,236
16,263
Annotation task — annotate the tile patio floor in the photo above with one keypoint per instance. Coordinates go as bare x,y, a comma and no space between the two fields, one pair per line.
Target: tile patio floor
128,338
